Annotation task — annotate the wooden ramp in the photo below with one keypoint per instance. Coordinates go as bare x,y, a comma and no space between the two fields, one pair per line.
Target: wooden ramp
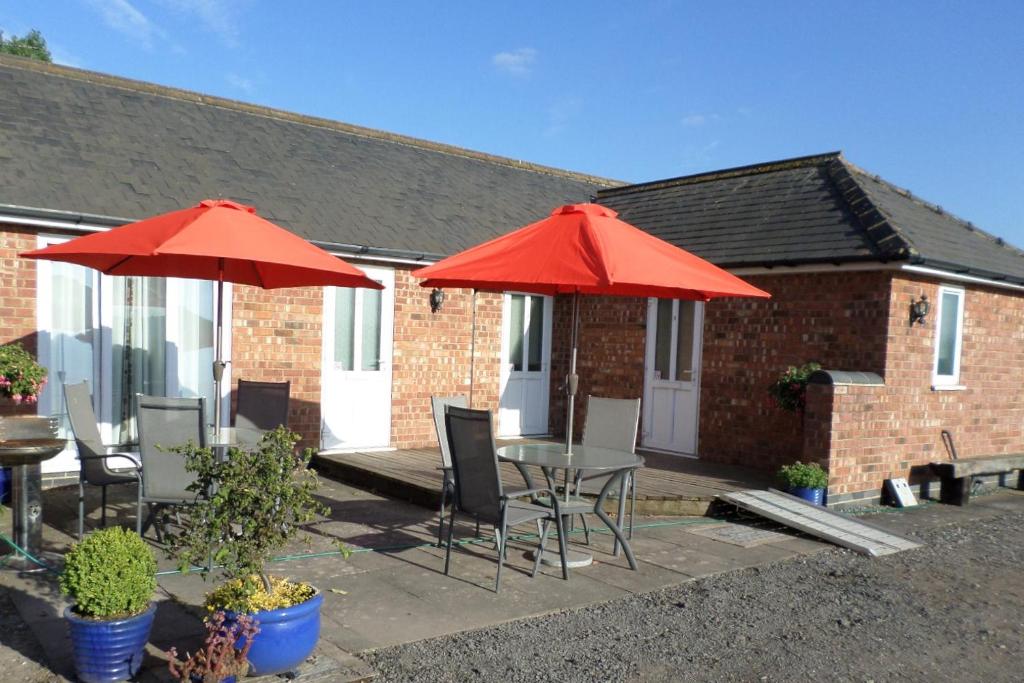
818,521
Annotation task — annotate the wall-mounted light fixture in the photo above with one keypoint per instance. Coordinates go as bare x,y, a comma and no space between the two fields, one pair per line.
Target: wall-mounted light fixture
919,310
436,300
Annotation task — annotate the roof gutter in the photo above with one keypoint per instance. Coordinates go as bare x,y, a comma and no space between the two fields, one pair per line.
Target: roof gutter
71,221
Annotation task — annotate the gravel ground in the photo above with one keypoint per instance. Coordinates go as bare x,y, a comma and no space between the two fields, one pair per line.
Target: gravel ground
953,610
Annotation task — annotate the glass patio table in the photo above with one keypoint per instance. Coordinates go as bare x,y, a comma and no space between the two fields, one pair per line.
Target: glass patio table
552,456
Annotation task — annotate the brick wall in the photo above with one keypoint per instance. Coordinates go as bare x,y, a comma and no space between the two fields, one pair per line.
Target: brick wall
610,361
17,298
890,431
837,319
276,336
432,355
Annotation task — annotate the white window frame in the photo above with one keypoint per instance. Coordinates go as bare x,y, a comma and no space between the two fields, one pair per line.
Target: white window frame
951,381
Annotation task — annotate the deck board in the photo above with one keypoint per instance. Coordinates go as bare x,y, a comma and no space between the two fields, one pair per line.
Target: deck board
668,483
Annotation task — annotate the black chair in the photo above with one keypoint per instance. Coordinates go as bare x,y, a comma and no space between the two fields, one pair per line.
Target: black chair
478,489
163,424
262,407
94,457
437,407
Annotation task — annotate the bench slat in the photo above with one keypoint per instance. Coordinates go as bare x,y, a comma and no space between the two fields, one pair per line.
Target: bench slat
996,464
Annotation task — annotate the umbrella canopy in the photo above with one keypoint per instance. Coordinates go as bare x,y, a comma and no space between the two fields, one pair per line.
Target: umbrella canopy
585,249
214,240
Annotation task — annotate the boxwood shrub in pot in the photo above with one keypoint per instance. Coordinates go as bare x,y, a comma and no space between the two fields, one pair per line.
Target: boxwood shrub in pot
808,481
111,576
253,504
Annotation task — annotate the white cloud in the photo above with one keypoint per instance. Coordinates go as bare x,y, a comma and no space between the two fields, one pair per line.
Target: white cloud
124,17
240,83
215,16
516,62
561,113
694,120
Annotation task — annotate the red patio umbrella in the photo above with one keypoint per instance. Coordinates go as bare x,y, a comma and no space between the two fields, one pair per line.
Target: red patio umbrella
585,249
214,240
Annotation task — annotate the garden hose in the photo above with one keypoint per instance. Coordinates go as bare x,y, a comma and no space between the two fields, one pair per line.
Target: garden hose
387,548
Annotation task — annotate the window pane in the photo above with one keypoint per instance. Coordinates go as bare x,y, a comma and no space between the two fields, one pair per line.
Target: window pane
69,340
193,339
536,332
139,348
947,333
663,341
515,342
684,342
344,326
371,330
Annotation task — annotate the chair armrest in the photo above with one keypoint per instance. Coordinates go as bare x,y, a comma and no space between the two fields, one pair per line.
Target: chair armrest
135,463
527,492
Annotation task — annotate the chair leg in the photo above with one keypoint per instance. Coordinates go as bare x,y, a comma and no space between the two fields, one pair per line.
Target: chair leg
440,523
540,547
502,540
138,512
103,507
478,527
81,509
561,547
632,502
448,551
586,528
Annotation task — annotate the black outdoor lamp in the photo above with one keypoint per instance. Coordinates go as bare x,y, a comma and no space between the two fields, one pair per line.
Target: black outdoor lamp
919,310
436,300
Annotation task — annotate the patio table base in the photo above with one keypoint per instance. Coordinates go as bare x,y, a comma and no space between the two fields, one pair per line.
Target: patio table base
574,558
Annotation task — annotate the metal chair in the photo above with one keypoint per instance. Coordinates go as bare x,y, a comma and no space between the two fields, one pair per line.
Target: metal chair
437,407
163,424
262,407
478,490
93,454
611,423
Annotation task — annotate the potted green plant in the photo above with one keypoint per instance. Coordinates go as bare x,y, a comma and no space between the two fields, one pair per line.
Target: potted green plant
221,659
111,576
808,481
790,389
21,377
254,502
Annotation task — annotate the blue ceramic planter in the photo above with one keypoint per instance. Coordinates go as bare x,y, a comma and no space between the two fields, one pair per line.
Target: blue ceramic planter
815,496
287,636
108,651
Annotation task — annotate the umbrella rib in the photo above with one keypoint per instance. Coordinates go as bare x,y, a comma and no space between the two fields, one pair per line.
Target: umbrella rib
110,270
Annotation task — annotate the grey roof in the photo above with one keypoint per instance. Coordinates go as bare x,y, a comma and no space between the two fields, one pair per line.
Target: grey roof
816,209
83,142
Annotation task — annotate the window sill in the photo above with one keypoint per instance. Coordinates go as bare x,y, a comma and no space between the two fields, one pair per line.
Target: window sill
948,387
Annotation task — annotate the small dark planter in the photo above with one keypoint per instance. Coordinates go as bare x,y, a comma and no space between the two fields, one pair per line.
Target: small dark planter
109,651
815,496
287,636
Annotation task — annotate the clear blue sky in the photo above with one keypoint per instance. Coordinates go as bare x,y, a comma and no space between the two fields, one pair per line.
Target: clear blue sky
929,94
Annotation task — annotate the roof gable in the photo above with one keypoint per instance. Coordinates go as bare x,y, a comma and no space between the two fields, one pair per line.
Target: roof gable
816,209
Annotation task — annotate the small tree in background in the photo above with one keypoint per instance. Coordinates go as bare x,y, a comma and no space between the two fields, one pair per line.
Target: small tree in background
31,45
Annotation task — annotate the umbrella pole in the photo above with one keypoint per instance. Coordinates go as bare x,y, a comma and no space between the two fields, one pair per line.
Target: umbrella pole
218,363
472,351
572,380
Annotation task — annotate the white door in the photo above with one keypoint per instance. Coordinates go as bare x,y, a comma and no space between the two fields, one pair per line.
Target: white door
355,396
525,365
672,375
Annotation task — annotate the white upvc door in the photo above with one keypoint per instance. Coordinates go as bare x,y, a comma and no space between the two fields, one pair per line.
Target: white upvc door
672,375
355,402
525,365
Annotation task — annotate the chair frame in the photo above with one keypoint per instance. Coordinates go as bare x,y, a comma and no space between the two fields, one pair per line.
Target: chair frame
246,388
156,503
547,514
133,473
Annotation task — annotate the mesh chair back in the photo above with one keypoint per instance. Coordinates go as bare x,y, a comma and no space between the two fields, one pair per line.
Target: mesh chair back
163,424
262,406
475,462
87,433
437,405
612,423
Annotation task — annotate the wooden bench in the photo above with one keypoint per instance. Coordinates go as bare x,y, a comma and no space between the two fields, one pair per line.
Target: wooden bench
957,475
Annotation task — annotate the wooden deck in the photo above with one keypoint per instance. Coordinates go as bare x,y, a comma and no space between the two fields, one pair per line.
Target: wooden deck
668,485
